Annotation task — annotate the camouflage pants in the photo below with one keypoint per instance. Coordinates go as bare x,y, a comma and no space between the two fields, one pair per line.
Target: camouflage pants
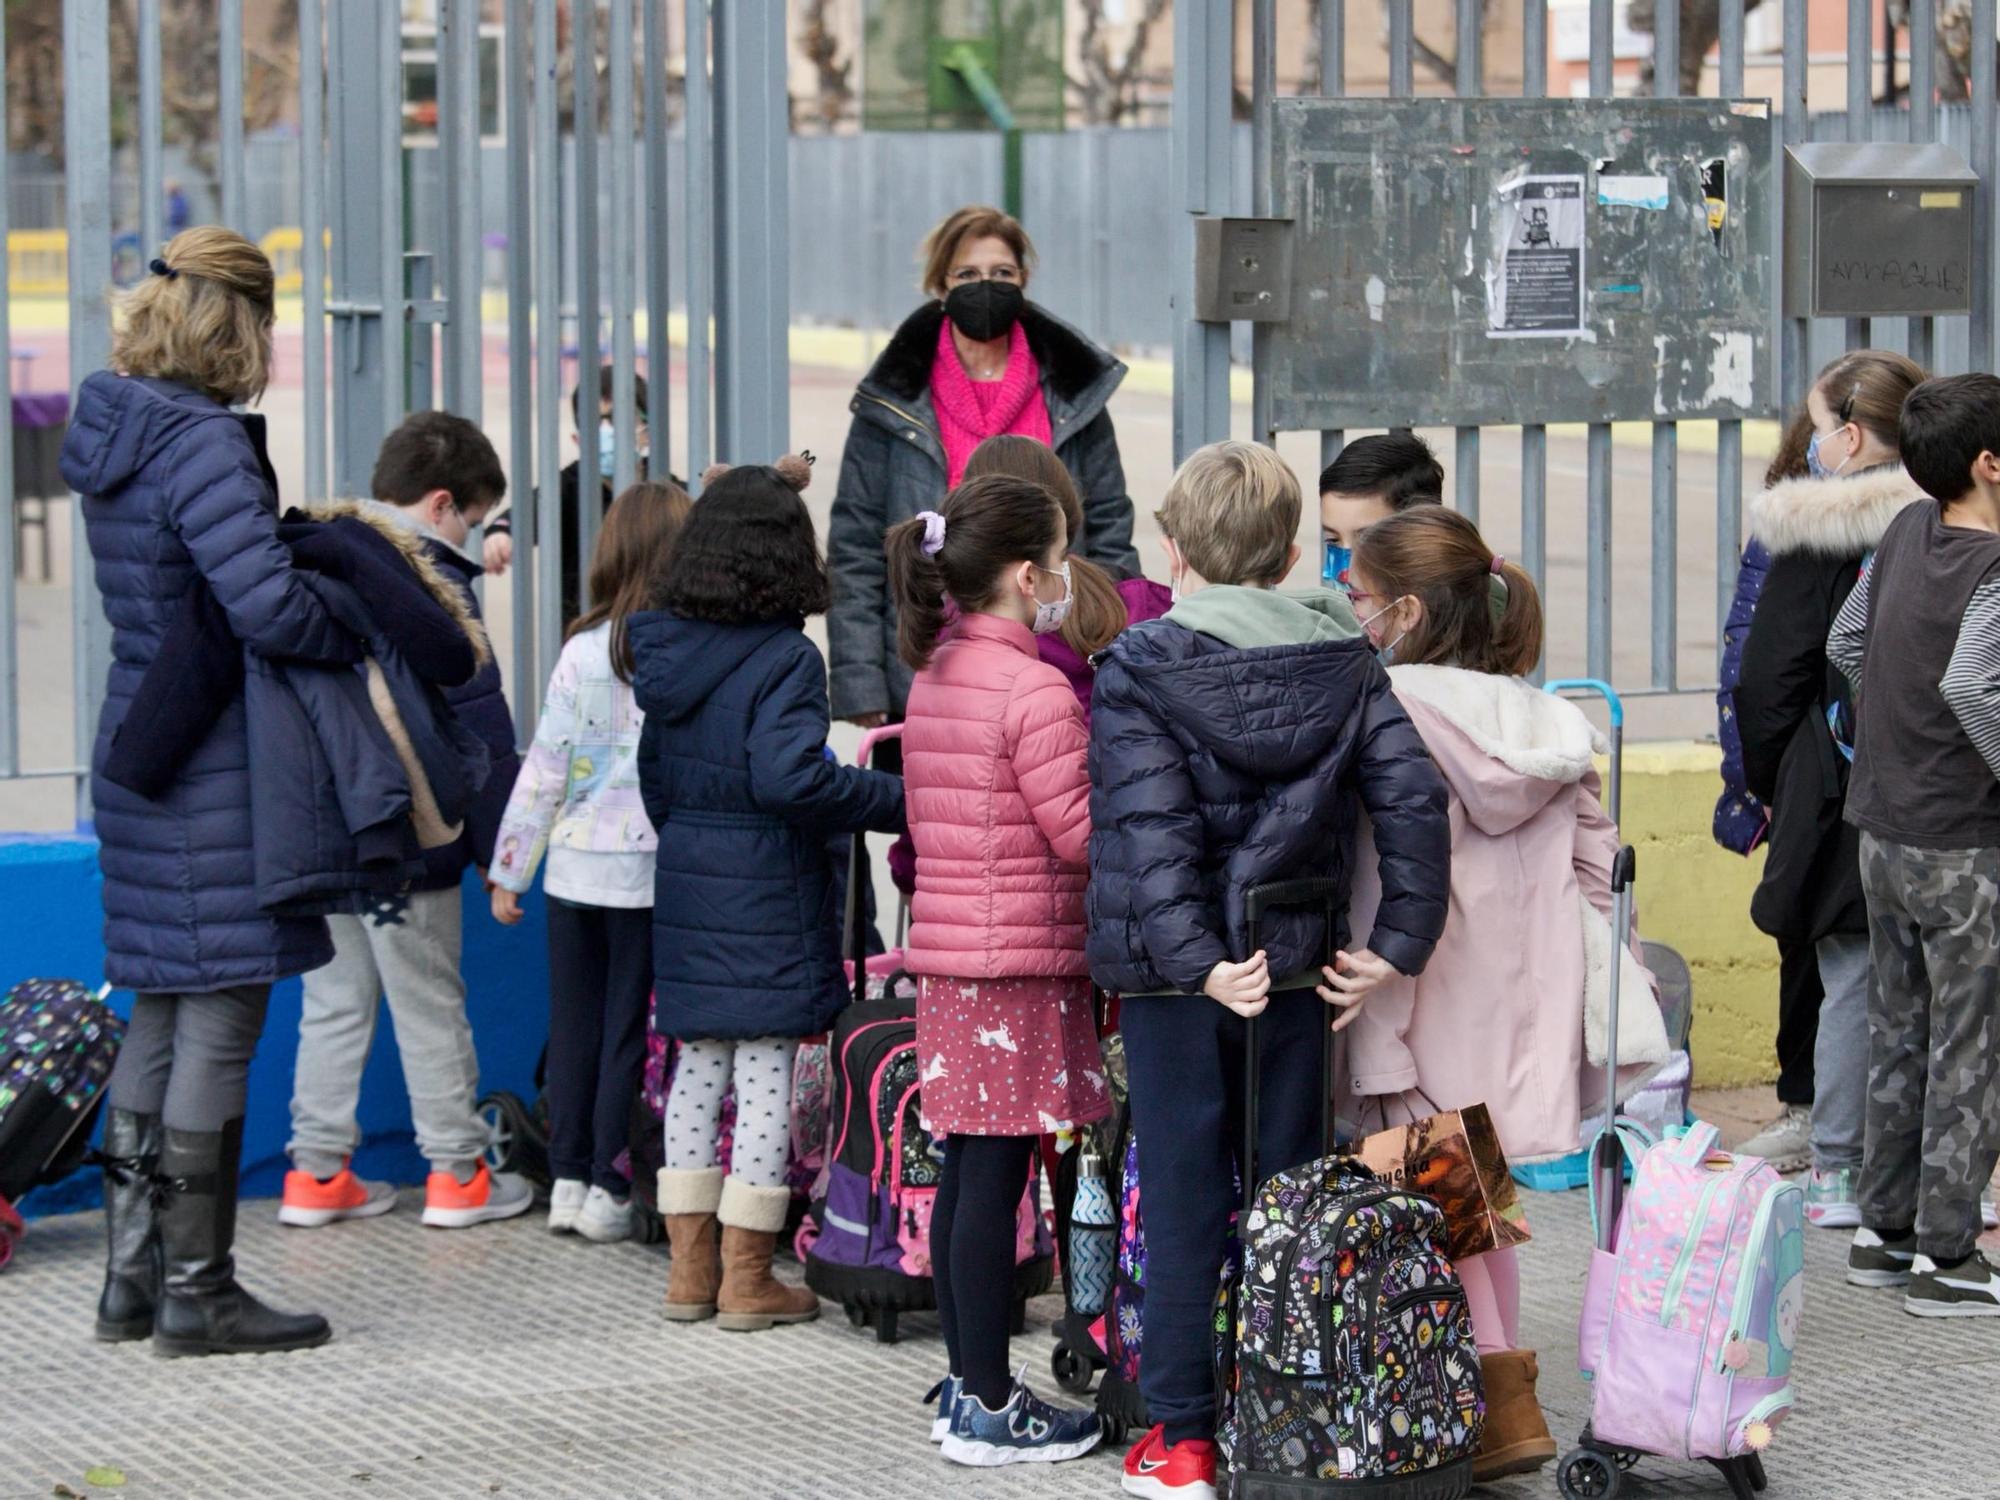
1934,1040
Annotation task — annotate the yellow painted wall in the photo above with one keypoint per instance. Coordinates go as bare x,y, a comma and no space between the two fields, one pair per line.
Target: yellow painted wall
1695,896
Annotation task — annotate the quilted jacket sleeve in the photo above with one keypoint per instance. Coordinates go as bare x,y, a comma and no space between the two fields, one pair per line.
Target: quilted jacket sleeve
1407,801
790,775
1050,748
544,777
854,639
1151,797
217,505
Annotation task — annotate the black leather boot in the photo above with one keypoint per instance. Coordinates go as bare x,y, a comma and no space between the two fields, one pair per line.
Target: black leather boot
202,1310
129,1156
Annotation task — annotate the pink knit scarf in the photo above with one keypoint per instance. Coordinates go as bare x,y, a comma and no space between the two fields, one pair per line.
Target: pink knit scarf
1014,402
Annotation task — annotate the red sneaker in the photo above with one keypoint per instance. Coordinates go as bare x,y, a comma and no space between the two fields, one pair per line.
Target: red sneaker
311,1204
1185,1471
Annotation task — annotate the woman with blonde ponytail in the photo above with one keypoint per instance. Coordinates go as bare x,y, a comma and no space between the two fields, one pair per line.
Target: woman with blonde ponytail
1501,1015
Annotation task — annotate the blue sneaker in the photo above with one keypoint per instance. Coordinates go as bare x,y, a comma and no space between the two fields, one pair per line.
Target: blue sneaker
1025,1430
944,1396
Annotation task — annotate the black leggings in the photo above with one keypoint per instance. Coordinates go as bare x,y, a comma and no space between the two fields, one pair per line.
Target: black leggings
972,1255
600,977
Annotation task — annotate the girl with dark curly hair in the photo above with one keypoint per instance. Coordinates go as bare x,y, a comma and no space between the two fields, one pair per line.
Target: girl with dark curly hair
746,946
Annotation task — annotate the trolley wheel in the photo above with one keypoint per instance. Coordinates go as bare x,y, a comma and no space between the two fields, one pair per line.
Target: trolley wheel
1072,1370
857,1315
1588,1474
1114,1429
885,1325
1753,1465
501,1133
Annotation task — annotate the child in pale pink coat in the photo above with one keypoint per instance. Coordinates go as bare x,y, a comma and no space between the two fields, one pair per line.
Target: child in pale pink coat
997,797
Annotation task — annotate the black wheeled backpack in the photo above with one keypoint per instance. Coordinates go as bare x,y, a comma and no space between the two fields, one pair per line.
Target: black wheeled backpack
58,1041
1345,1362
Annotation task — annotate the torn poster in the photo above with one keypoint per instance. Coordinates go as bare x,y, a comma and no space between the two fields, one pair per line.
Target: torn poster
1534,273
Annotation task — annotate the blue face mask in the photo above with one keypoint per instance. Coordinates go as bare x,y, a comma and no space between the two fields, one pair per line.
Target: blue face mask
1815,465
1338,561
607,448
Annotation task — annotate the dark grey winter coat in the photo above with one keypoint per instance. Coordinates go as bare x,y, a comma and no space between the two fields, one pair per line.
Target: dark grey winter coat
894,466
176,485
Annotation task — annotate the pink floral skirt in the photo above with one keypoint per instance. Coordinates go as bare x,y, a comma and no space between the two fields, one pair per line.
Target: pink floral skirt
1009,1056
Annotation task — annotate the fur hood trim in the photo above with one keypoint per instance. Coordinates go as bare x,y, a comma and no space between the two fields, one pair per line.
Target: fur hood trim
1070,362
416,551
1836,518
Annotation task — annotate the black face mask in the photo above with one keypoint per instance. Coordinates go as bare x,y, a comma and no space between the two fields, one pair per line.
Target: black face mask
984,310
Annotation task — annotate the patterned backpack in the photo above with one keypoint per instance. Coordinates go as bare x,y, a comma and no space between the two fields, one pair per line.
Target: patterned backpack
58,1041
1349,1359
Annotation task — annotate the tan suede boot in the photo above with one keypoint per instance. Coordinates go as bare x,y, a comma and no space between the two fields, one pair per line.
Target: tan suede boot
1516,1438
688,1201
751,1298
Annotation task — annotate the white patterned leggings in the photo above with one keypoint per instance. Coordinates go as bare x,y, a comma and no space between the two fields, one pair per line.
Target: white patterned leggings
761,1070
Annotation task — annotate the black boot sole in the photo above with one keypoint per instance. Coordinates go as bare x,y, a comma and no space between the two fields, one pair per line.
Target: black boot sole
170,1347
128,1331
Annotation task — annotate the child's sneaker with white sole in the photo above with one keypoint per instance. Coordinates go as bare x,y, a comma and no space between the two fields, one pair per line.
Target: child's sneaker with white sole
1024,1430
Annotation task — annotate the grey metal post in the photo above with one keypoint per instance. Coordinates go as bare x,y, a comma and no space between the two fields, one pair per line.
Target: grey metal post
1204,49
1263,88
420,290
10,729
753,108
1597,462
659,224
312,232
1666,435
527,681
1402,32
395,327
624,254
1794,348
1729,434
459,155
152,185
1534,436
549,537
1465,476
1860,53
1986,163
589,304
87,142
367,284
1333,84
697,132
229,107
1923,127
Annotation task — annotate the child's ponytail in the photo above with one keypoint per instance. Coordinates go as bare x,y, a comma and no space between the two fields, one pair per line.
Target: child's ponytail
958,551
1517,620
917,582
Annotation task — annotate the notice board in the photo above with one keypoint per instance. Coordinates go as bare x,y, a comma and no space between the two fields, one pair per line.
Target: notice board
1491,261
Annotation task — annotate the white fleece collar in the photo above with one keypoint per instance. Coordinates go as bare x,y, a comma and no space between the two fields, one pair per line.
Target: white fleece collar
1840,517
1527,730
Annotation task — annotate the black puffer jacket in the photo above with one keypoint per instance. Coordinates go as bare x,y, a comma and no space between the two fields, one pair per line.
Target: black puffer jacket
1817,531
1215,767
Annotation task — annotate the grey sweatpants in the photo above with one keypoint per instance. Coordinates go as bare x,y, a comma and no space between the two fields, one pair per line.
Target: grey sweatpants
1934,1041
186,1058
1840,1054
410,950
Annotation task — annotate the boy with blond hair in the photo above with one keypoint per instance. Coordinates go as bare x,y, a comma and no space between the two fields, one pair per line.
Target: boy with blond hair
1229,742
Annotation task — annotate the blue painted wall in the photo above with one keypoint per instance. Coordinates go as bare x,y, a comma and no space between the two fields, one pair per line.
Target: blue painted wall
51,921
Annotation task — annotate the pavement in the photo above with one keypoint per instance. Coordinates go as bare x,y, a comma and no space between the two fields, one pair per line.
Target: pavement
503,1361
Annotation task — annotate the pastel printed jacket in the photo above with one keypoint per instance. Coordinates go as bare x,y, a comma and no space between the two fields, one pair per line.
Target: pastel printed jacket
578,791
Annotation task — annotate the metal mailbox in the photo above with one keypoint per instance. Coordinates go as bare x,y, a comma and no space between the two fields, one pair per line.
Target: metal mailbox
1877,229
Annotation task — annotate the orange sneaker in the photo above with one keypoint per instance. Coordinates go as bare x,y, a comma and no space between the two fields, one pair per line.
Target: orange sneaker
490,1195
311,1204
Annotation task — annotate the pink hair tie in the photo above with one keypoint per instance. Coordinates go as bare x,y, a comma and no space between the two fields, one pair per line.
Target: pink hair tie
933,532
1499,562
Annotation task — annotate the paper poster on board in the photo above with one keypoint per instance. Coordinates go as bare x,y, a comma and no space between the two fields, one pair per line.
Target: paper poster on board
1534,271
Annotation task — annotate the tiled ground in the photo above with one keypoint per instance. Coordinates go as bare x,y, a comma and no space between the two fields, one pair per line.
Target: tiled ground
504,1362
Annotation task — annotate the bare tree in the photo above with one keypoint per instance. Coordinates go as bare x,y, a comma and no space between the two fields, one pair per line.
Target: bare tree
821,48
1110,71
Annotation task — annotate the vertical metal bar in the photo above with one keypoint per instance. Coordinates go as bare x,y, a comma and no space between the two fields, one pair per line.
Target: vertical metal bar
1534,436
548,345
1665,558
229,107
10,727
589,306
1333,84
420,285
87,143
1466,31
520,380
312,231
659,225
753,268
1860,51
459,156
1985,163
1923,126
395,312
1402,32
1471,51
1204,50
1728,435
152,175
624,270
1598,458
697,130
1666,50
1795,346
1263,89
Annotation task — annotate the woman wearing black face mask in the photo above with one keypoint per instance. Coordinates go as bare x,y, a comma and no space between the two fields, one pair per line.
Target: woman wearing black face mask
976,361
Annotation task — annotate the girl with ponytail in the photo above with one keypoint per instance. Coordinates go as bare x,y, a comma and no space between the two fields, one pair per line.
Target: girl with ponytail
998,800
1510,1008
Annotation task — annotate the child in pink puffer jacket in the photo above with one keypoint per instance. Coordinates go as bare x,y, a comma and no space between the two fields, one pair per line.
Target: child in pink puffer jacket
998,801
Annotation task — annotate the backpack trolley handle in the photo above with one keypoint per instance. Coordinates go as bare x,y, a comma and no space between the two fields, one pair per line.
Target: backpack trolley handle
856,854
1615,707
1607,1161
1256,901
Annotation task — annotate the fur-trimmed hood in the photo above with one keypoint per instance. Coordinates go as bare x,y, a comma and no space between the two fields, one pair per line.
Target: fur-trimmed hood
416,550
1839,517
1505,746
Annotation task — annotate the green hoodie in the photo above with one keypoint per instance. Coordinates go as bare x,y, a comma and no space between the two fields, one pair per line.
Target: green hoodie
1247,618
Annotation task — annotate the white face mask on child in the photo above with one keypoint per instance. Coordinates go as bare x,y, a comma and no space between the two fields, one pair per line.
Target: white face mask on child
1049,618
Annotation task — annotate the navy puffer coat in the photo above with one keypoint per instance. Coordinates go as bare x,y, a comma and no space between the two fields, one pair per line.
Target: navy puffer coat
176,485
1213,769
732,764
